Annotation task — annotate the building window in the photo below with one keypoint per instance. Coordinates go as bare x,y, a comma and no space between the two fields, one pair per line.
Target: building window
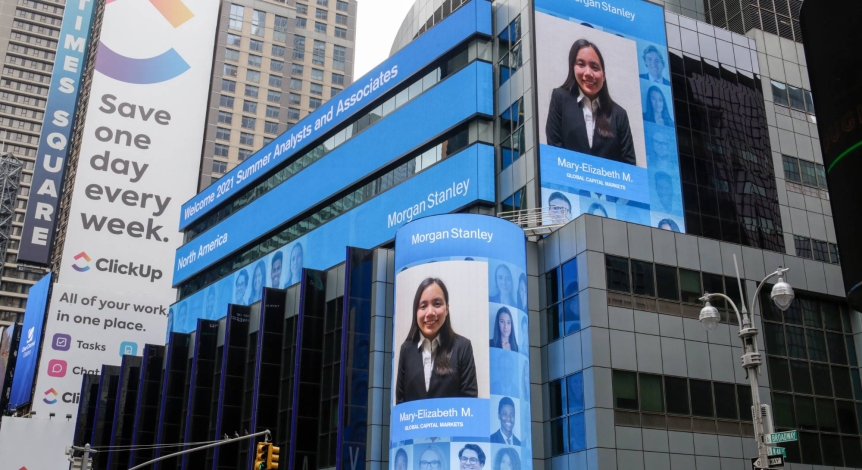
301,22
255,45
252,91
231,54
314,103
275,81
229,70
249,107
337,79
236,13
568,429
294,98
226,101
340,19
341,6
228,85
820,250
248,122
225,117
316,89
513,143
323,3
301,9
293,113
276,65
791,169
334,91
252,76
319,27
233,40
246,138
277,51
221,150
510,51
809,176
319,52
296,69
814,377
273,96
339,57
279,31
340,33
317,74
271,127
821,175
803,246
833,253
258,23
219,167
321,14
272,111
222,134
779,93
295,84
254,60
298,48
243,154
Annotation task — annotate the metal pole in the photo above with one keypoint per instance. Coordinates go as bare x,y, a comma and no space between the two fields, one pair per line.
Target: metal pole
188,451
86,457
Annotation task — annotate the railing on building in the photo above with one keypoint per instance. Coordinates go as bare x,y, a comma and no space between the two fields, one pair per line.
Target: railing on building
10,182
538,221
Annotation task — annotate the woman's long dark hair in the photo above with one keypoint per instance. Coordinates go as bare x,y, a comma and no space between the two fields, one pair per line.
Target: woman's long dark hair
650,112
606,104
513,457
447,334
497,342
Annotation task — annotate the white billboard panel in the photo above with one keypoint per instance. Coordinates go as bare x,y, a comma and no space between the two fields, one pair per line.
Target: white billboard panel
87,328
139,160
35,444
140,154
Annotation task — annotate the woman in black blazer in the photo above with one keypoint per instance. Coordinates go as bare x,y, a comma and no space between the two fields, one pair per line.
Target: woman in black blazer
566,126
453,369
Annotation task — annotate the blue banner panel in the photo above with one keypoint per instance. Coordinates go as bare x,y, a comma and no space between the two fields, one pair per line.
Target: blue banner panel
452,101
38,233
471,18
454,399
445,187
28,349
606,131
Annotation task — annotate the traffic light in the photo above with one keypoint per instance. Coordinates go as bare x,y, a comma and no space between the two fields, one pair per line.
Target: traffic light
272,457
260,456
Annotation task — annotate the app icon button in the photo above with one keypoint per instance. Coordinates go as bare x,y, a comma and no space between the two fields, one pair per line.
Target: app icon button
61,342
57,368
128,348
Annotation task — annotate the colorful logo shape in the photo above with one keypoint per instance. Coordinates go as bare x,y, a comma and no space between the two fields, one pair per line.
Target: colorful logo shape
78,258
50,391
128,348
157,69
57,368
61,342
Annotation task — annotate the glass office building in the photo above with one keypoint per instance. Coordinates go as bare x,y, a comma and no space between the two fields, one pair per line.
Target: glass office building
289,260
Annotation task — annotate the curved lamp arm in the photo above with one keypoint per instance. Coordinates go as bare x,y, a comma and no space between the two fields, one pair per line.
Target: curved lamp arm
707,296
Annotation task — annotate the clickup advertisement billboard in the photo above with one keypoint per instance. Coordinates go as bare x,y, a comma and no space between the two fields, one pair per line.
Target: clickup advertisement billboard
460,377
139,159
606,121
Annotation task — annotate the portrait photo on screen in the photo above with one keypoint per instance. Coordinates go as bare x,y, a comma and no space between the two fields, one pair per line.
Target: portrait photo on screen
446,300
578,61
470,456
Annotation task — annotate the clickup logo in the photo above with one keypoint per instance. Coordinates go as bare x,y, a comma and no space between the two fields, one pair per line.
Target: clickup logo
85,267
53,392
157,69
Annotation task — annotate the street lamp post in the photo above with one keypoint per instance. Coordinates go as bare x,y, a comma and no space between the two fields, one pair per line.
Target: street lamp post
782,294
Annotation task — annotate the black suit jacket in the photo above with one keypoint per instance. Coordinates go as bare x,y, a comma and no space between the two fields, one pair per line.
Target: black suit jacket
566,128
411,374
645,76
497,438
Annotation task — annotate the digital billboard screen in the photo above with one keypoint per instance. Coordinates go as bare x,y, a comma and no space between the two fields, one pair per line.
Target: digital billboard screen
606,126
460,374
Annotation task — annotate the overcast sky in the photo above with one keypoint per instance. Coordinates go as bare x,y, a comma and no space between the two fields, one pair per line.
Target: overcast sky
377,23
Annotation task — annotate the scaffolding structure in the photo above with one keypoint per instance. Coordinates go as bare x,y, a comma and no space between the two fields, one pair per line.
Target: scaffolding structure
10,182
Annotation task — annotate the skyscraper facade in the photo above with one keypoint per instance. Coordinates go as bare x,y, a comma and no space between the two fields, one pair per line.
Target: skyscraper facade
275,63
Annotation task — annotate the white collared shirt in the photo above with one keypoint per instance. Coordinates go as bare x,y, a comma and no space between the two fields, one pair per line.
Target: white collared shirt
428,347
590,108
